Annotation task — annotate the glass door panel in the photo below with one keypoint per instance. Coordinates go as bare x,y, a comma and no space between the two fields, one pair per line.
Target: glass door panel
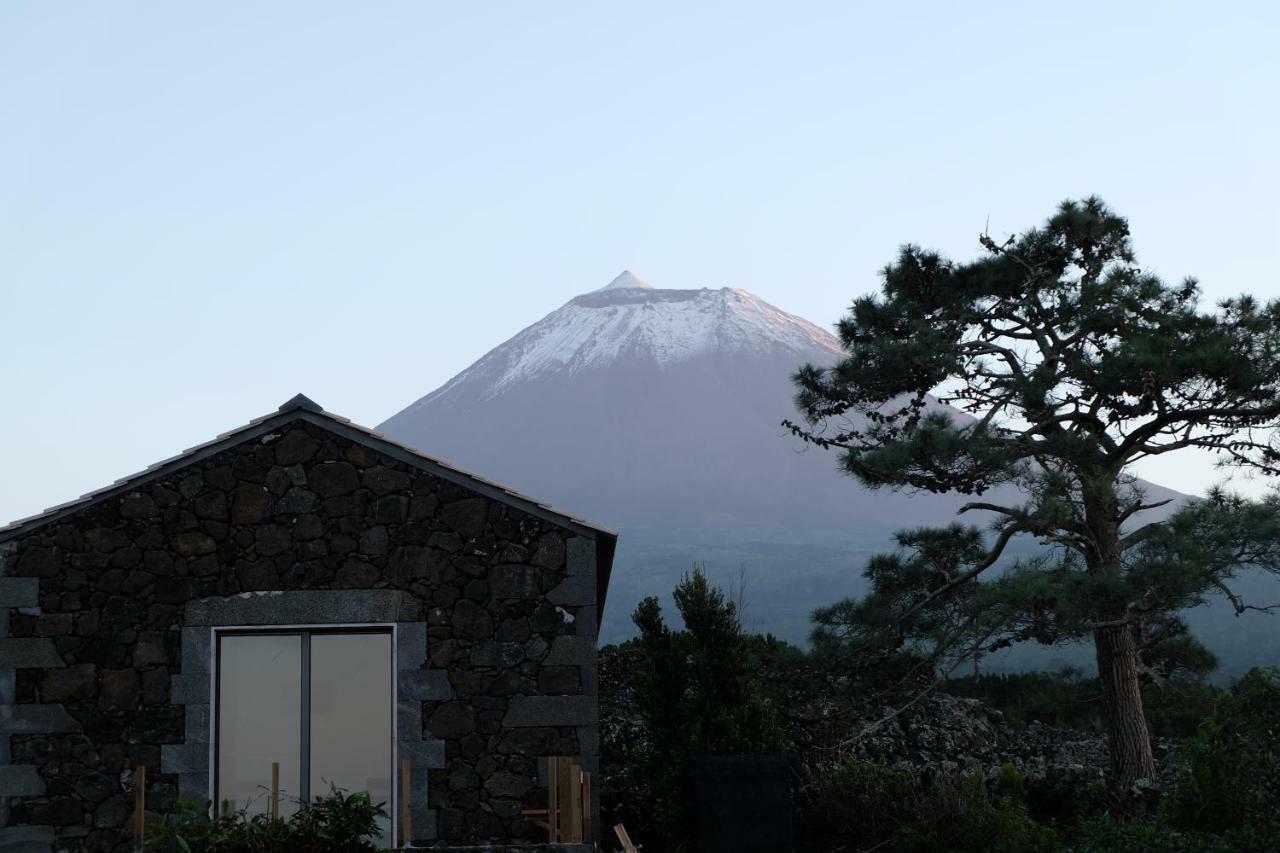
351,716
259,720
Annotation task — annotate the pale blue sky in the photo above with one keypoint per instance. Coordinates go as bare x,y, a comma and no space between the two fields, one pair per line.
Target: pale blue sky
205,208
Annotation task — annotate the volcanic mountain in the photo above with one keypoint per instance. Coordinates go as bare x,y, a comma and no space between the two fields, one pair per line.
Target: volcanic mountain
658,412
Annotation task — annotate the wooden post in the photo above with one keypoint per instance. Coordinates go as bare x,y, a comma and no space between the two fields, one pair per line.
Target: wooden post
553,799
406,816
140,802
275,790
623,838
586,807
571,777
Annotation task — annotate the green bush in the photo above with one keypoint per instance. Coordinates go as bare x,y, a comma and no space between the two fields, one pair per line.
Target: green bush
336,823
1108,835
860,803
967,816
864,805
1232,775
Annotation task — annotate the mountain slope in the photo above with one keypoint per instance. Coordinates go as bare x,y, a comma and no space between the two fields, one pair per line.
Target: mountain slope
634,405
658,412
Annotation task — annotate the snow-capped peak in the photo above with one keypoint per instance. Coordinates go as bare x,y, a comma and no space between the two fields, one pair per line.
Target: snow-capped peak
626,279
631,321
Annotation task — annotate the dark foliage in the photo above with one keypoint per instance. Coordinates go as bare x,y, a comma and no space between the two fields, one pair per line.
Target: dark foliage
1070,363
1067,699
335,823
696,692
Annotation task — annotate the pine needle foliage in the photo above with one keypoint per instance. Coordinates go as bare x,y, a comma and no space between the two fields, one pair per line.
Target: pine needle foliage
1068,363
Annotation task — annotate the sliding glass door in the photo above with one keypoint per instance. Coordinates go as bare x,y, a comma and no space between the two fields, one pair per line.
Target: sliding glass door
318,703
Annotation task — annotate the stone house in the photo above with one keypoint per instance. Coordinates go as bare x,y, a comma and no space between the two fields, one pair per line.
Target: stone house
303,592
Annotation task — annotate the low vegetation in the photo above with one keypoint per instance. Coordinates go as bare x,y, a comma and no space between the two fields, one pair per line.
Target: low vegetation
1219,747
339,822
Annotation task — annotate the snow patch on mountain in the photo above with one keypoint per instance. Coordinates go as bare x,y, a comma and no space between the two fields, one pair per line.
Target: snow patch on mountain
630,319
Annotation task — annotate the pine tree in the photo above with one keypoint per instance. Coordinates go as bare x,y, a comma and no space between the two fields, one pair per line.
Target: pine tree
1070,363
699,693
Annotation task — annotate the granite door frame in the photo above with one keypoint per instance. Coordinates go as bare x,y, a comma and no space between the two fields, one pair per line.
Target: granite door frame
195,687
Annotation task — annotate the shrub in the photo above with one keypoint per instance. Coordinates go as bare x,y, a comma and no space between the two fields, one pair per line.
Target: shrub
1109,835
859,803
335,823
1232,774
866,805
966,816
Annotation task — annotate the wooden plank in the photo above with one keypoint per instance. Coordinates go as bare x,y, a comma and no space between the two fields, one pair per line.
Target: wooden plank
586,807
573,814
553,801
406,814
275,790
140,803
623,838
564,793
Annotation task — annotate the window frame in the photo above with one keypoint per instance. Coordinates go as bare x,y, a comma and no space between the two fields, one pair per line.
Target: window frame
306,631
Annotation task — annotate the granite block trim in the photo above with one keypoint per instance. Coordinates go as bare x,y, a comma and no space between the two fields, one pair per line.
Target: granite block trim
571,651
23,780
19,592
36,720
192,687
20,780
298,607
27,839
29,653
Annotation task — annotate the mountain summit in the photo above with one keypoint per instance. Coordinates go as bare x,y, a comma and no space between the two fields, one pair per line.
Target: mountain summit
631,322
625,280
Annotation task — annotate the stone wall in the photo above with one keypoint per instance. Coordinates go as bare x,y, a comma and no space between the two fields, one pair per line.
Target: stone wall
99,670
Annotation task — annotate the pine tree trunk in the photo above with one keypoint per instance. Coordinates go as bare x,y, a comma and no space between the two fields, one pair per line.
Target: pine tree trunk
1129,740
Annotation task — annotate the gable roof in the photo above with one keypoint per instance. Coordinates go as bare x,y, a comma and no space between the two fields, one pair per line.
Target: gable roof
302,408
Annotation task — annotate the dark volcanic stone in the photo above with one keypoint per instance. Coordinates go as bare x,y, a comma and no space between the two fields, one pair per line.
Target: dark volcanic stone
392,509
138,505
119,688
40,562
272,539
212,505
530,741
96,787
513,581
466,517
471,621
296,501
507,784
252,505
355,573
294,447
331,479
62,811
550,551
194,544
383,481
374,542
173,590
258,575
77,683
113,813
451,720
